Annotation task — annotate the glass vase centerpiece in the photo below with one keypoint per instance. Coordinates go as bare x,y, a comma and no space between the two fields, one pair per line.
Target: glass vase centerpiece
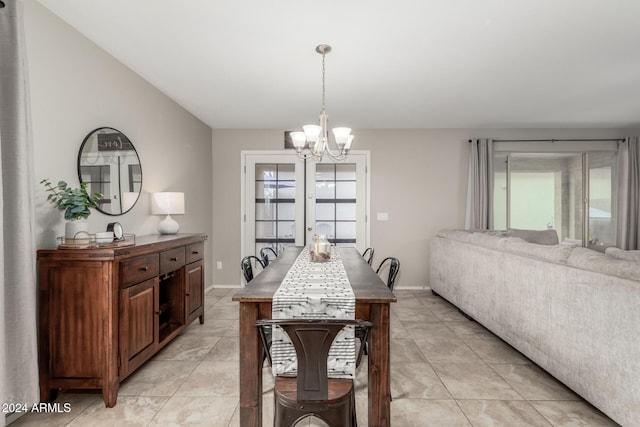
319,249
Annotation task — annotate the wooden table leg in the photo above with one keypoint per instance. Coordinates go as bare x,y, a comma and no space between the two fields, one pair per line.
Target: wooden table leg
250,367
379,367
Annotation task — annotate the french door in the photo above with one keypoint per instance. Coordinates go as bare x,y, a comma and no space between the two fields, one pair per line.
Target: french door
288,200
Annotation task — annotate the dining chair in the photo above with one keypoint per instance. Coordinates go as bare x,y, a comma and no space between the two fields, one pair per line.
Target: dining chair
264,254
368,255
312,392
246,265
394,268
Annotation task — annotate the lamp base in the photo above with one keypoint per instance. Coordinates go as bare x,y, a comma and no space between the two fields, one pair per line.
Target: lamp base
168,226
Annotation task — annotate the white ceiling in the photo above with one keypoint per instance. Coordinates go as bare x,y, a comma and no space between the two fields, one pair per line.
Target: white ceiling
394,64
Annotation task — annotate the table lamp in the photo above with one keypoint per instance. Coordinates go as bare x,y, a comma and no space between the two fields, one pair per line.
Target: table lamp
168,204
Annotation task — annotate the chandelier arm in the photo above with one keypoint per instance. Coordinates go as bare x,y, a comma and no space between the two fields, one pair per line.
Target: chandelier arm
342,154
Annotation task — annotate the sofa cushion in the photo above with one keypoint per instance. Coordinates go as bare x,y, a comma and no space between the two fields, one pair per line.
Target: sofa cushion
552,253
597,261
541,237
622,254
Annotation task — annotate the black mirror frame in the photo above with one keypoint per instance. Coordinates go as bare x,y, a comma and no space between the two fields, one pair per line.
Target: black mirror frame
133,148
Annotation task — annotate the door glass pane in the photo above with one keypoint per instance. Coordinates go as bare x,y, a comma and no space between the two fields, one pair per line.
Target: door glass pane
325,228
325,172
265,229
286,172
346,190
287,190
336,202
287,211
265,172
346,230
325,190
286,229
274,205
346,172
346,211
602,200
325,212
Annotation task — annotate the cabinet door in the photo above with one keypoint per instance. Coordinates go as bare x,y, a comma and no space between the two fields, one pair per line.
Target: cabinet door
138,324
194,298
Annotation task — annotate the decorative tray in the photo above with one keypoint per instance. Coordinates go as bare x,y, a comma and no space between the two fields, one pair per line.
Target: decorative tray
90,242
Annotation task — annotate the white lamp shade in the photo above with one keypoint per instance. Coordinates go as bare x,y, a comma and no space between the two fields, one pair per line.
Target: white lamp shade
312,132
298,138
341,135
167,203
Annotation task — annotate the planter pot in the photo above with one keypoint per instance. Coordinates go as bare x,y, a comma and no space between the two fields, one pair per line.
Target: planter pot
76,229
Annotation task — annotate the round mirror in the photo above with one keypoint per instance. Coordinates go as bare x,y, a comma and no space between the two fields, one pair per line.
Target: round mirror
109,163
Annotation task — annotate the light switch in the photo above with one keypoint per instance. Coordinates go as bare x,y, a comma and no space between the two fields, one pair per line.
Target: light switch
383,216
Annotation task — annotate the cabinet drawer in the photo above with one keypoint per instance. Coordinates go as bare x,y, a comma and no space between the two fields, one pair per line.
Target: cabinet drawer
136,270
171,260
195,251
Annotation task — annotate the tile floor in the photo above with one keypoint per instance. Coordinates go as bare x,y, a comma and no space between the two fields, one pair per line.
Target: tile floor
446,371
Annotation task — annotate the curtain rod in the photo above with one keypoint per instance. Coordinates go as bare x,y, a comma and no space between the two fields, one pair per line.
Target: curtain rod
553,140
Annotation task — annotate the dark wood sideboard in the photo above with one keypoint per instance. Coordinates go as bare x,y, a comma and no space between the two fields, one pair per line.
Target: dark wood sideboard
105,311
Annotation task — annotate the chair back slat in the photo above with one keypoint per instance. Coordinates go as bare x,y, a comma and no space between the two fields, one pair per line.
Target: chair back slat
312,339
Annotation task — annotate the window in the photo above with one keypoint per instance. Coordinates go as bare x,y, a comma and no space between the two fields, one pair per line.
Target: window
573,193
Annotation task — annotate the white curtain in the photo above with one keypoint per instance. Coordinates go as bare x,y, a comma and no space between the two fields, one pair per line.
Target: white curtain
479,210
18,337
628,230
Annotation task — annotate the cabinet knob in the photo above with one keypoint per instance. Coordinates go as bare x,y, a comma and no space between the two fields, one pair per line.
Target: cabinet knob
187,294
145,268
194,253
173,258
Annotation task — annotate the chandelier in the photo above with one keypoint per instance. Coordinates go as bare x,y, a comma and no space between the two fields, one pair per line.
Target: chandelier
318,135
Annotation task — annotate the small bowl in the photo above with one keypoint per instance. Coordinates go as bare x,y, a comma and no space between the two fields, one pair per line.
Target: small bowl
104,237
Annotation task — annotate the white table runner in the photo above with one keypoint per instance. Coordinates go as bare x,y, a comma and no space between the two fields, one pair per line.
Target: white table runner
319,291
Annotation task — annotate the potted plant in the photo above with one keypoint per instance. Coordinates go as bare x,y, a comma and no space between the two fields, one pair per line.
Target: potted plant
76,204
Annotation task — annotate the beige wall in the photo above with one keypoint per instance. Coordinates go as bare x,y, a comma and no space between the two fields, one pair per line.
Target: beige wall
77,87
417,176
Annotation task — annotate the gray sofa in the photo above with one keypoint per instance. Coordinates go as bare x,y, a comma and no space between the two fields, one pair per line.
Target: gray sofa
573,311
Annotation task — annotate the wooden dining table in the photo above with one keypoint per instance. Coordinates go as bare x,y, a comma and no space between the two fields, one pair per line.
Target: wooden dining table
373,300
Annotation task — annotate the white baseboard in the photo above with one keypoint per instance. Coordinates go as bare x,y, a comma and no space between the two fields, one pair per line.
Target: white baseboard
411,288
219,286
